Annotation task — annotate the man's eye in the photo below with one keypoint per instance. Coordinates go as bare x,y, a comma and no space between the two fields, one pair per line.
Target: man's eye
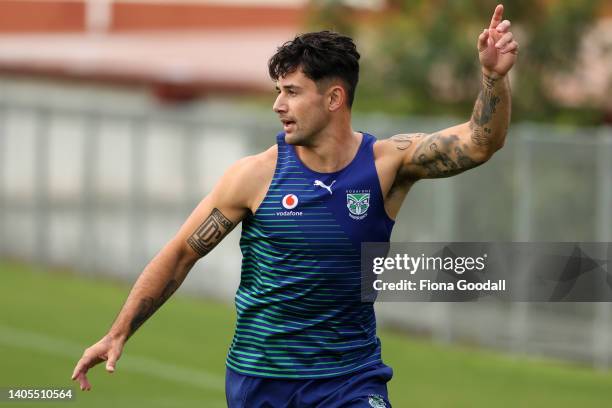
292,93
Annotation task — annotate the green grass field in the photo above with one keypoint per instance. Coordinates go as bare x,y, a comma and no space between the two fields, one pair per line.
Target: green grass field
177,358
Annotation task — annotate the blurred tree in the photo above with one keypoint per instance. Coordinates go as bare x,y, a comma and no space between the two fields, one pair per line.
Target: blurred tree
420,57
331,15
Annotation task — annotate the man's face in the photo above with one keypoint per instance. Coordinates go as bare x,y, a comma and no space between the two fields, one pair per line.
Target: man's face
301,108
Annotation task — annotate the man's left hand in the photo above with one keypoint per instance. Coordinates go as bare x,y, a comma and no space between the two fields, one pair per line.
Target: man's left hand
497,48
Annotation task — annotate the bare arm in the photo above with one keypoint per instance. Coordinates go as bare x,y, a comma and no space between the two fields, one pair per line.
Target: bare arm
491,116
462,147
216,215
169,268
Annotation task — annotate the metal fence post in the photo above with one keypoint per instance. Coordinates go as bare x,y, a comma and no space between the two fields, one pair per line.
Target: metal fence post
444,226
89,235
42,208
137,202
519,312
601,321
190,174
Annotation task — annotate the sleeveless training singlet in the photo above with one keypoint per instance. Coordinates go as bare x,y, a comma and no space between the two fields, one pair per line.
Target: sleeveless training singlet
299,305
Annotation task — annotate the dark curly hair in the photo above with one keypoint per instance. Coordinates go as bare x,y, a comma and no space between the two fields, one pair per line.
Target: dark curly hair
320,55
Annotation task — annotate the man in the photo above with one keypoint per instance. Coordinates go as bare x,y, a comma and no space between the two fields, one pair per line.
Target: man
303,337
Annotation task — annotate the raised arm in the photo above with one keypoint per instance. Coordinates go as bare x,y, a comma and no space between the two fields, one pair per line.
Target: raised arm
462,147
216,215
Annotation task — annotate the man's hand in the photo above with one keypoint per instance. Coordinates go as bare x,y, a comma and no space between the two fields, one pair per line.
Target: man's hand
497,48
107,349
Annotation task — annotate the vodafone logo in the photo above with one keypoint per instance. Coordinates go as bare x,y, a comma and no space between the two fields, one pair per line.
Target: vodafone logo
290,201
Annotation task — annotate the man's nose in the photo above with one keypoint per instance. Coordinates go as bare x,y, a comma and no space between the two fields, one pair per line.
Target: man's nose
279,105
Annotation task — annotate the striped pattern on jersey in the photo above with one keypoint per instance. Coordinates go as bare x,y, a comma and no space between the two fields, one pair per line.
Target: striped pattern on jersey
299,311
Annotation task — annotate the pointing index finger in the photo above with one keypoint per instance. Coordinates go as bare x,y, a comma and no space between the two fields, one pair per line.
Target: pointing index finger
497,16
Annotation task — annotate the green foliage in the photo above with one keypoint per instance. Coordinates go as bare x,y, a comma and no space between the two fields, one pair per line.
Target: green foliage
421,57
330,15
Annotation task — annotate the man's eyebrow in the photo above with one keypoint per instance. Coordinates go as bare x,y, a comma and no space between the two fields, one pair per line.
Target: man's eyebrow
289,87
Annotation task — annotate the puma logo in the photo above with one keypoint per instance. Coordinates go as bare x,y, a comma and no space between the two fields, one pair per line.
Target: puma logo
321,184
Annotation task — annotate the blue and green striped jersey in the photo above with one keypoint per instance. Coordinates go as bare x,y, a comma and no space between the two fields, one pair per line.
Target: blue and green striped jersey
299,309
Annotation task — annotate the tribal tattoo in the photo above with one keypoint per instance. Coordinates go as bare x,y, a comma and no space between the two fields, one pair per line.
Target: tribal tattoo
484,108
210,233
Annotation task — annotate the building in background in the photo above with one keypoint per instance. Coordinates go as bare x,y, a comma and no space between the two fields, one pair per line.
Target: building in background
185,49
182,49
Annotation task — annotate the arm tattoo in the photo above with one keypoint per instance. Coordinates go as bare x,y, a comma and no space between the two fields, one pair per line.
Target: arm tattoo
210,233
402,142
205,237
464,161
441,156
444,154
484,108
149,305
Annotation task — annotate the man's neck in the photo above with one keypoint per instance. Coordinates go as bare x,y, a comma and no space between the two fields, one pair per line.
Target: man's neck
334,148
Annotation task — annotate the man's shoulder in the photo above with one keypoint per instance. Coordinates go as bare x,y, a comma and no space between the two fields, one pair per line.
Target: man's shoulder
391,154
385,148
397,146
382,146
246,176
257,164
251,176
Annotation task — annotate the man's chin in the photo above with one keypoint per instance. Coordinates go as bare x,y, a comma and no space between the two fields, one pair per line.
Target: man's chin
293,139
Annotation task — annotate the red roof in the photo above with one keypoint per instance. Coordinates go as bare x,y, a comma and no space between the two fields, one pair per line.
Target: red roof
189,62
183,49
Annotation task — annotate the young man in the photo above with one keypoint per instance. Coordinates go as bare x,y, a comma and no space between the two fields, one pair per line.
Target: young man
303,336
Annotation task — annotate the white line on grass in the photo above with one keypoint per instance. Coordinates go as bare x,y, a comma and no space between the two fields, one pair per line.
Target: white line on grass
40,342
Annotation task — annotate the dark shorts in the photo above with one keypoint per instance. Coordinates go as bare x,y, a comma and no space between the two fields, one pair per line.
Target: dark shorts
364,388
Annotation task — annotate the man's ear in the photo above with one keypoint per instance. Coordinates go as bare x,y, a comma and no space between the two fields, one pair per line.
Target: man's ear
336,96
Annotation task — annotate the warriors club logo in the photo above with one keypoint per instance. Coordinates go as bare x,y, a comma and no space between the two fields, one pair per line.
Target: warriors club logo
358,202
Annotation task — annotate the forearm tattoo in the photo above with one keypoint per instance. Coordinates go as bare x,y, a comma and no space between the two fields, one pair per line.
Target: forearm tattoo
441,155
149,305
484,108
205,237
210,233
